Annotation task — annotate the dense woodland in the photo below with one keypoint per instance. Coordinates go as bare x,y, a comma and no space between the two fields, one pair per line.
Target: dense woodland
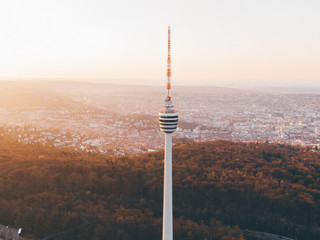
219,188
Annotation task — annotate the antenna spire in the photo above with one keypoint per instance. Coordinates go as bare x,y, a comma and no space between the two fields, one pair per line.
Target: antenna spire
169,63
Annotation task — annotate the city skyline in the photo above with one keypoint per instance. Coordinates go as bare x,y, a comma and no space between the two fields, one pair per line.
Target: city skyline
233,43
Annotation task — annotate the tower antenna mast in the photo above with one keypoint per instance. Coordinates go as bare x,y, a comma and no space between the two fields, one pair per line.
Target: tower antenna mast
169,63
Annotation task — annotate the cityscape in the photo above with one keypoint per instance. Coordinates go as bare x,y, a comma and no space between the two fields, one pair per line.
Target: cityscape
142,120
122,120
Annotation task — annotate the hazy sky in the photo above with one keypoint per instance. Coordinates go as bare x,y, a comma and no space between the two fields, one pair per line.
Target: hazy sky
225,42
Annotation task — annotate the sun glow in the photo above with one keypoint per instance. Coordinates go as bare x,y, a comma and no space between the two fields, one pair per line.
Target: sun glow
231,41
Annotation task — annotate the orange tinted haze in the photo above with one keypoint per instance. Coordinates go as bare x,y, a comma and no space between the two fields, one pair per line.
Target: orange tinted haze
230,42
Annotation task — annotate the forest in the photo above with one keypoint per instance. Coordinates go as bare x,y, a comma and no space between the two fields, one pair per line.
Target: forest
220,189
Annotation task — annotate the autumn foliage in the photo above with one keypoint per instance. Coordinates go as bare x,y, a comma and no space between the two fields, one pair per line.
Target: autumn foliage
219,188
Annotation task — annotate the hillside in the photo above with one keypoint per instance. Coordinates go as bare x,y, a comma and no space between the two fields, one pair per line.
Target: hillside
65,194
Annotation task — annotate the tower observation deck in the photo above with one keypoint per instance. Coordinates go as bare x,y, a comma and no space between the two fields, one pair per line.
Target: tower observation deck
168,118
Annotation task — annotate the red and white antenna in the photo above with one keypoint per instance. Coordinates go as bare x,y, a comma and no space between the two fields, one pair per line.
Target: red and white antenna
169,63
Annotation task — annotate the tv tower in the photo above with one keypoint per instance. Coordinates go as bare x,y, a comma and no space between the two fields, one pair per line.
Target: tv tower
168,120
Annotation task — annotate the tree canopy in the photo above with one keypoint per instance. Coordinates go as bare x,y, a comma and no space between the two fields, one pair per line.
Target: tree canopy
218,188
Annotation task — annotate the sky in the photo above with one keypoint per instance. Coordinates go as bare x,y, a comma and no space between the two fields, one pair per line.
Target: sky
214,42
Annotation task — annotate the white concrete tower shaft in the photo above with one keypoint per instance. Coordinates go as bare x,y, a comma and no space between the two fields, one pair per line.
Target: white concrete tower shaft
167,192
168,120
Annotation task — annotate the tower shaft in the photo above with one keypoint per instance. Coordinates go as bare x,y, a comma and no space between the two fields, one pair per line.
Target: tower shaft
167,192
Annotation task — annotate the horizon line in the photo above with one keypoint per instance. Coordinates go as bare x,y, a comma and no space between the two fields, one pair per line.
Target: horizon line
188,83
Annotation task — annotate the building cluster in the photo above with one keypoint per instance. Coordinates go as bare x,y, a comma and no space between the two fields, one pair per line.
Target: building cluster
277,118
125,122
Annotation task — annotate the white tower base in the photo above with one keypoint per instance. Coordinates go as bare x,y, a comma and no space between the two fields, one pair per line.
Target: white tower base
167,191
